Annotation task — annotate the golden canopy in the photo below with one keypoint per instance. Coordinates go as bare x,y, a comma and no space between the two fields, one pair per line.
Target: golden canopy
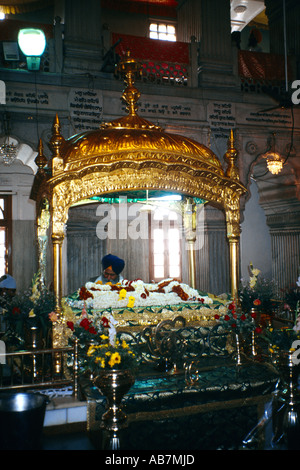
129,154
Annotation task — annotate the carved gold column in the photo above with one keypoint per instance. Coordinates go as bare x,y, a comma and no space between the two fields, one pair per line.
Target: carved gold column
43,218
232,210
57,142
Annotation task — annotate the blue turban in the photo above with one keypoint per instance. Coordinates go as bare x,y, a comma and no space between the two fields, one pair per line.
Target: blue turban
117,264
7,282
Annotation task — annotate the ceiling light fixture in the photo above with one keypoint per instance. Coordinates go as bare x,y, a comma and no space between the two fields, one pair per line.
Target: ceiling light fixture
8,149
240,9
274,162
32,43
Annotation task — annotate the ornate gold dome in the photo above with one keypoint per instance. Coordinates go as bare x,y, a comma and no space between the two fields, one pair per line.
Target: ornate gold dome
136,140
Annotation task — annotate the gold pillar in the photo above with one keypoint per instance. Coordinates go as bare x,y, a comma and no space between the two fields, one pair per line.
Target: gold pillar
233,217
189,221
57,241
234,265
192,265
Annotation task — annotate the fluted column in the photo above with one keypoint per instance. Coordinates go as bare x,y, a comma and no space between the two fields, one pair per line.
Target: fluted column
275,14
285,244
215,53
83,32
213,254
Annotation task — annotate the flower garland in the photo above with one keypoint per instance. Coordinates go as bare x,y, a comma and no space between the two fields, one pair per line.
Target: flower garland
135,293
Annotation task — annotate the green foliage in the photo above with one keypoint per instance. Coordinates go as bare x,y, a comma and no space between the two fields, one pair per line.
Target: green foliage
31,307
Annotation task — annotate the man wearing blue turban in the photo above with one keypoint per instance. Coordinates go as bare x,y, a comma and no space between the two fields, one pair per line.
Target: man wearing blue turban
112,268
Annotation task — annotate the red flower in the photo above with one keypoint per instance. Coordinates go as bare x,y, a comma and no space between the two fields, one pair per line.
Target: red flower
217,316
231,307
92,330
243,317
253,315
226,317
258,330
233,325
105,322
256,302
70,325
85,323
16,311
84,294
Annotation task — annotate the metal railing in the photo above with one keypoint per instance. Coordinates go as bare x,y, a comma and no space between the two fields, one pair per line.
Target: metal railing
40,368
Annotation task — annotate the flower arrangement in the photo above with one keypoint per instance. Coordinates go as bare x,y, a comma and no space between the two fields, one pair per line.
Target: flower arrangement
292,297
86,332
109,352
98,346
237,321
258,293
31,307
280,339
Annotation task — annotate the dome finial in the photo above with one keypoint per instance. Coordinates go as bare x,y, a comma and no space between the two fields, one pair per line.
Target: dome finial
40,159
231,157
129,68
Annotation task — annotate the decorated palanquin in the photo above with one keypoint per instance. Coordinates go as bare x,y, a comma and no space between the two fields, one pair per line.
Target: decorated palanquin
127,154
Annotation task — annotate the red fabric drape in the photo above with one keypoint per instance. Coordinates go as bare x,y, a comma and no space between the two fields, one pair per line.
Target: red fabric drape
262,66
152,49
157,8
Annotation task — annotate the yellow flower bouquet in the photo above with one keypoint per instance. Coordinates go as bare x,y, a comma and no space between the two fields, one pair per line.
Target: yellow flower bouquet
109,352
105,355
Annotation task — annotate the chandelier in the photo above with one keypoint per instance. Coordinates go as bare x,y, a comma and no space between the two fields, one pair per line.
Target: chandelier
274,160
8,148
274,163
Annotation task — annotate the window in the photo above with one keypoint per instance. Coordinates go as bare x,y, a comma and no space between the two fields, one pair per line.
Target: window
165,245
162,31
5,234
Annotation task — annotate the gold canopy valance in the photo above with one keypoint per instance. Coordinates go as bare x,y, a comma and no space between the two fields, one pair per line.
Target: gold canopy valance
128,154
13,7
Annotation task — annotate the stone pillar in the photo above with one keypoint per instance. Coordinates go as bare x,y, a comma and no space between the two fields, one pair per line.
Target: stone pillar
289,10
84,249
215,51
285,244
275,14
83,36
212,257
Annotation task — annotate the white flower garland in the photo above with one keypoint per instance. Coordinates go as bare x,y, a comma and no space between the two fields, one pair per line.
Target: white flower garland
139,294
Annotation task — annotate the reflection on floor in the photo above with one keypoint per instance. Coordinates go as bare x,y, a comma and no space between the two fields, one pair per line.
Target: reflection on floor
68,441
82,440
